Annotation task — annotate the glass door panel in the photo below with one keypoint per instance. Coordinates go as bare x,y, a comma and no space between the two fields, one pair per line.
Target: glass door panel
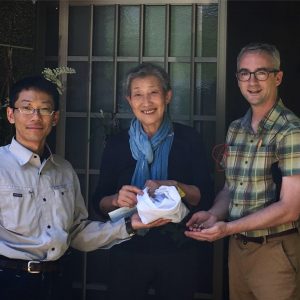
78,87
155,19
129,30
122,105
207,130
181,30
76,142
102,87
79,20
99,131
103,32
180,81
205,91
207,30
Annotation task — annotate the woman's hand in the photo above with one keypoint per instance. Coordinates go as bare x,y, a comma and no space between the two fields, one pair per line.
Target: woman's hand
192,193
152,185
127,196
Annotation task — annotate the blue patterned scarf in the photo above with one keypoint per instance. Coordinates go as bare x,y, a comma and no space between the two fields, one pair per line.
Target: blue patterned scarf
151,154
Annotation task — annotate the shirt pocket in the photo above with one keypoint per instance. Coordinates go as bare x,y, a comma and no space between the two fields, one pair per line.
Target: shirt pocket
18,211
64,204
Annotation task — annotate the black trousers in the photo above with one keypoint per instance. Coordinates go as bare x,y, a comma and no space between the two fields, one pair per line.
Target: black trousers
16,285
173,276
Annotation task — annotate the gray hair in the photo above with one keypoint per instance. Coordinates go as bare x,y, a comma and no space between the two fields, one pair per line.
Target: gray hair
144,70
269,49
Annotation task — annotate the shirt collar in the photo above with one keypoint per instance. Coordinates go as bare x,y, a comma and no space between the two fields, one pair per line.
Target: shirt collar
271,118
24,155
268,121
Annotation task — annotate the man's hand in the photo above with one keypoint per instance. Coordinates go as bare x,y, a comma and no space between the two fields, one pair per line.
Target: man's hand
201,220
136,222
204,226
215,232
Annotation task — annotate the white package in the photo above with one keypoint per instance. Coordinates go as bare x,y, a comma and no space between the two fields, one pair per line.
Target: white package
166,203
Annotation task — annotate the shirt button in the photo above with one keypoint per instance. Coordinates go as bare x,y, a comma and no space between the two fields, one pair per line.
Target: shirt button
246,162
44,199
35,156
241,183
48,226
53,249
251,141
62,193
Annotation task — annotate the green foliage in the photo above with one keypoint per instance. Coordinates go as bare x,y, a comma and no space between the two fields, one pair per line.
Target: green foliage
53,75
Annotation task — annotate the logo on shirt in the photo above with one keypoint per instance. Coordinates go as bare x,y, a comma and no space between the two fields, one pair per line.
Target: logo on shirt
18,195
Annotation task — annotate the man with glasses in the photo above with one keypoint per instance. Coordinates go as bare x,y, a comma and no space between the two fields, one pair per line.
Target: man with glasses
42,211
261,196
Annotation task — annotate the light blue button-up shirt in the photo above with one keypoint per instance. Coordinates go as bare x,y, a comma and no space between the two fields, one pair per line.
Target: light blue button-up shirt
42,211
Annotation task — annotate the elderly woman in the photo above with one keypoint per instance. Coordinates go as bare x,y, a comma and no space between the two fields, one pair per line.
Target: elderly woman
152,153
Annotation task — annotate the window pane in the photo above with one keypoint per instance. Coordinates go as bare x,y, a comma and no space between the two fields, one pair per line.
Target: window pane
94,179
181,31
102,87
123,68
99,128
207,30
51,64
205,101
79,22
180,82
76,142
154,31
129,31
103,34
77,88
81,178
207,130
125,123
51,31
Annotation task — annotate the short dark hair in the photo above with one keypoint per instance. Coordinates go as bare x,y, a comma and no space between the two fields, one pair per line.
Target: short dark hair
143,70
34,83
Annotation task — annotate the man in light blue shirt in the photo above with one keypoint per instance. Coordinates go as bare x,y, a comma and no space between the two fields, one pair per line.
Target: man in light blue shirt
42,211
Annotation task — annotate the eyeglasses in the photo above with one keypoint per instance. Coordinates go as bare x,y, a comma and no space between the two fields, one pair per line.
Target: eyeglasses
261,75
31,111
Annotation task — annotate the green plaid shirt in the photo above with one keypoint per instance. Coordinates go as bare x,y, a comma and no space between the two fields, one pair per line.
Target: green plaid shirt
253,161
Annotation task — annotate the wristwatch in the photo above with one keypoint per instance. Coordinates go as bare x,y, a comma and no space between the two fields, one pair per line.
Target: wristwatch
129,227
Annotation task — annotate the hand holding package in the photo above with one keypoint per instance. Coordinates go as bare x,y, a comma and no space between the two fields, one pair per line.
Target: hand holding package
165,203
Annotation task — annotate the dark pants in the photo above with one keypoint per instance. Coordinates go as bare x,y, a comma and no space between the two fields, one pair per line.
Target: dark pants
15,285
173,276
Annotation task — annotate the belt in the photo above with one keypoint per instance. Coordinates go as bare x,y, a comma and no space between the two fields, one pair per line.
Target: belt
31,266
263,239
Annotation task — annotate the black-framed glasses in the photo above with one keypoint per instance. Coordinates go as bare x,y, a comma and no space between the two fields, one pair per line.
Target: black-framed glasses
261,74
31,111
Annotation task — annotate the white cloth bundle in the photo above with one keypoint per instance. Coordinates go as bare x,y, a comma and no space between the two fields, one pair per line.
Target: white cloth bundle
166,203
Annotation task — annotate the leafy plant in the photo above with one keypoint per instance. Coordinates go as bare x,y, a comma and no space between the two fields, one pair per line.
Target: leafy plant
53,75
